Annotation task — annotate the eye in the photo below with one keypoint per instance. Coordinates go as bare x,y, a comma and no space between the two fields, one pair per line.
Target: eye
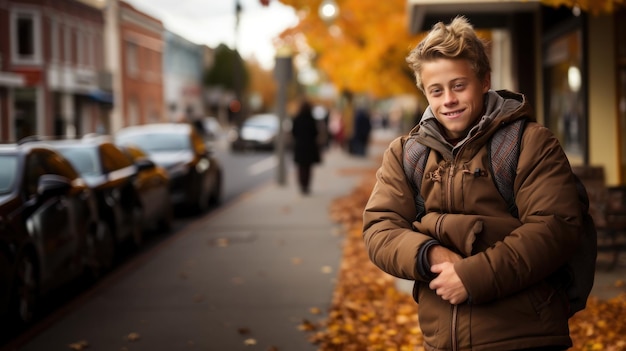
435,91
458,86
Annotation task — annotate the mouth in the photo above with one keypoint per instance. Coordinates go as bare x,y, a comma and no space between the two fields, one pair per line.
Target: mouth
452,114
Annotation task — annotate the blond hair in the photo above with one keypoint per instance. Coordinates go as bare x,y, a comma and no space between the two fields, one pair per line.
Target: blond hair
458,40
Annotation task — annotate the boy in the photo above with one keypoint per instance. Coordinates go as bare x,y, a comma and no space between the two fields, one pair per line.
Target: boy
485,279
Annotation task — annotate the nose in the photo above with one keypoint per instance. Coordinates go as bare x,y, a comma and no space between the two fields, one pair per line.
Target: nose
450,98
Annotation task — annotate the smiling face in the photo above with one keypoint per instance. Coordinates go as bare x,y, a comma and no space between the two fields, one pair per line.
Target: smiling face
454,93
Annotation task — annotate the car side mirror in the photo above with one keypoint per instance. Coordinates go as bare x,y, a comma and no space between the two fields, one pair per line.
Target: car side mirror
144,164
50,185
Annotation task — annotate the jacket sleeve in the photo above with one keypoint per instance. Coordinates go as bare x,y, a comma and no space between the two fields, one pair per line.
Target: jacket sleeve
391,242
549,210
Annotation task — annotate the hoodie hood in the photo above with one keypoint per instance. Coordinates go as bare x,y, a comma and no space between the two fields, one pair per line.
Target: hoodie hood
501,106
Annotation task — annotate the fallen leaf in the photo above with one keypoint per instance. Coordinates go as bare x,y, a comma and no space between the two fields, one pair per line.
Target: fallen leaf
79,345
296,261
307,326
315,310
133,337
249,342
327,269
243,331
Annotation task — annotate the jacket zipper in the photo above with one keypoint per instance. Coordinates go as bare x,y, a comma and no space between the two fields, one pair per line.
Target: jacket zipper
450,186
453,327
454,341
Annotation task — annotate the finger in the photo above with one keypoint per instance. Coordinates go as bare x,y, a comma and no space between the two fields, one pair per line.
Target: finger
436,268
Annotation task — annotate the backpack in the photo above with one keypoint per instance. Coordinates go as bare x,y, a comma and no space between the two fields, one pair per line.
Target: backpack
504,147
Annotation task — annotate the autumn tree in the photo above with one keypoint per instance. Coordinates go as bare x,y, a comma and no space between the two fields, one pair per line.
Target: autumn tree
363,50
262,87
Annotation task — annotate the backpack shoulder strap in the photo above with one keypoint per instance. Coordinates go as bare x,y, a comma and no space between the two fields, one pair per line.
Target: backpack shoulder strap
414,160
504,150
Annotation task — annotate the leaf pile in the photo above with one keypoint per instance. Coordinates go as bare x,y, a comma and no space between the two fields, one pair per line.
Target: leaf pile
369,313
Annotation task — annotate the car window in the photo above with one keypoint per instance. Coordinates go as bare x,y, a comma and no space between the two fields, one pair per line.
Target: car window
8,173
84,160
157,142
113,159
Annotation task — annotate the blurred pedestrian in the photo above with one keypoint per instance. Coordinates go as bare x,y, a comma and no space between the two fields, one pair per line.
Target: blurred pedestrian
486,277
362,130
335,128
306,149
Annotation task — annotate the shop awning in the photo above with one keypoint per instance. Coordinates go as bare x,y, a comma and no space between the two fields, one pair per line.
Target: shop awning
102,96
423,14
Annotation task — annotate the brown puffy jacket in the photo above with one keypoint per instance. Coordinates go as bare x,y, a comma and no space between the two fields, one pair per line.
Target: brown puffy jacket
508,263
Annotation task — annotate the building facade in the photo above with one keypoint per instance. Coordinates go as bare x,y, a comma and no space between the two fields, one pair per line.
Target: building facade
135,58
53,79
183,69
570,64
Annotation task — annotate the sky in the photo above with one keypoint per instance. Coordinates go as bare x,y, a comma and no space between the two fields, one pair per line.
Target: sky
212,22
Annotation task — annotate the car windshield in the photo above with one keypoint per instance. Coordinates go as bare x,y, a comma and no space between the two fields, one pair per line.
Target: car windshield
157,142
264,122
8,173
84,159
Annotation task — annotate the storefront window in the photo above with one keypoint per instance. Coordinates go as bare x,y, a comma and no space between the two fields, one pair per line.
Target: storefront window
565,108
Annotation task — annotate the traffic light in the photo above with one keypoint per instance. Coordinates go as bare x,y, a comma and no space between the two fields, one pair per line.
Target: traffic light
265,2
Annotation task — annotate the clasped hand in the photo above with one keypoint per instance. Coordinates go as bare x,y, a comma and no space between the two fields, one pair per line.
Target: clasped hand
447,284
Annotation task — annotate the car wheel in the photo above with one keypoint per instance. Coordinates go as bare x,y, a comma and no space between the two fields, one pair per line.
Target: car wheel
166,220
102,248
202,202
137,230
26,290
216,192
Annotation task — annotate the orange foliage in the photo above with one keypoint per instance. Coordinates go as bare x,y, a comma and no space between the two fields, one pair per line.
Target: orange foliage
364,49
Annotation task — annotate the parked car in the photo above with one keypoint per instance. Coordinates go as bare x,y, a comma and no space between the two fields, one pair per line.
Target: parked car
195,173
50,232
153,184
258,132
112,176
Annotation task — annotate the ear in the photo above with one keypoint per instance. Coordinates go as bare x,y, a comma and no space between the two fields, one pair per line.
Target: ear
486,83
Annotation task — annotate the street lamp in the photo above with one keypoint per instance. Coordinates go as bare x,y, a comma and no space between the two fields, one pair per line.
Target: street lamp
328,10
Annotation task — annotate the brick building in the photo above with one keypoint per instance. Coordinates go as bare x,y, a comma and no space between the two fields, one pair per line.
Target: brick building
53,80
135,57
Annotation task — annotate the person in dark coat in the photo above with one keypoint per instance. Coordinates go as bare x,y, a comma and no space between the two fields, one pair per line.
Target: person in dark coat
362,130
306,150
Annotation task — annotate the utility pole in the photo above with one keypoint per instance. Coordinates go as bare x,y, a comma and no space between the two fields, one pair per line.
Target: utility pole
283,72
237,71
